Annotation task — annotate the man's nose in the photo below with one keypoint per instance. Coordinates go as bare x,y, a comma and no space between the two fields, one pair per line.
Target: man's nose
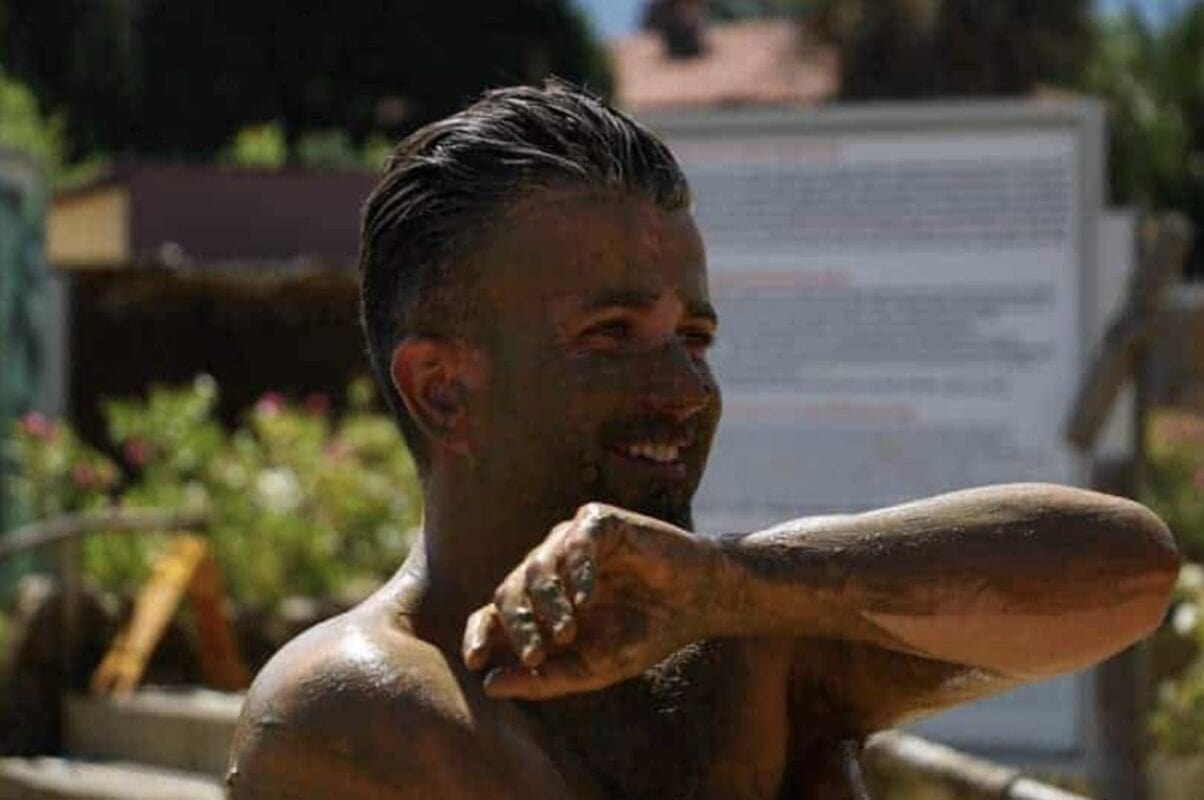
679,385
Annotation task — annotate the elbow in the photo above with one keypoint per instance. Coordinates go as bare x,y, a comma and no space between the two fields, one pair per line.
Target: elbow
1160,554
1150,566
1122,597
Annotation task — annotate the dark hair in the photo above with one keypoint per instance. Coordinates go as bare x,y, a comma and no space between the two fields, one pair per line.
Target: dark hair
446,182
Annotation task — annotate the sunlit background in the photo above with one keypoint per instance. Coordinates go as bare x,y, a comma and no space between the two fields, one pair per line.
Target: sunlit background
180,353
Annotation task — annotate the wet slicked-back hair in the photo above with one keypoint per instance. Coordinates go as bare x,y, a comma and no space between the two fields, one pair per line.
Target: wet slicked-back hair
444,185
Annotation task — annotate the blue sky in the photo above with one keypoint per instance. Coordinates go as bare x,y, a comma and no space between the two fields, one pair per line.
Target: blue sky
617,17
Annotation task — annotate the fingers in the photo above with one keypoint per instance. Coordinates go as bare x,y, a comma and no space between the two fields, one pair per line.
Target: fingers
518,618
581,571
484,637
566,673
535,609
550,601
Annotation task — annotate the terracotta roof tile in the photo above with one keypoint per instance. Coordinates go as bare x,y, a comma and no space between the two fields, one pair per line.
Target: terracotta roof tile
761,62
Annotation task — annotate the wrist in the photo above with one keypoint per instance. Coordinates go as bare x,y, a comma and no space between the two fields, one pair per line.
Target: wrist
727,589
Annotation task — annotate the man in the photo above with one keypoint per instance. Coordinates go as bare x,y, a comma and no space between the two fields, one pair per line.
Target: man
535,301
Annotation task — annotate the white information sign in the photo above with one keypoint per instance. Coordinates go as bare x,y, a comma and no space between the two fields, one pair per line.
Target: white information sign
901,298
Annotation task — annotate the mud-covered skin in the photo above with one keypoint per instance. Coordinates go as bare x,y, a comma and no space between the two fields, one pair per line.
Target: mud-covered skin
996,579
361,708
572,427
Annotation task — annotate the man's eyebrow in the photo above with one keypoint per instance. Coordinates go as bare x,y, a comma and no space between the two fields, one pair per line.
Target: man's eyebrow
639,299
623,298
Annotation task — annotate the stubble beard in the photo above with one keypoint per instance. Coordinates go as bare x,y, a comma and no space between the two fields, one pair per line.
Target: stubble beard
666,503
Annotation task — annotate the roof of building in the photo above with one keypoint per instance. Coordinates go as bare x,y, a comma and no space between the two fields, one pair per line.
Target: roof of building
205,213
758,62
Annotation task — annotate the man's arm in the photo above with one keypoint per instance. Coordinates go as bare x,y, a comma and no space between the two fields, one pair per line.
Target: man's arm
1006,583
1026,581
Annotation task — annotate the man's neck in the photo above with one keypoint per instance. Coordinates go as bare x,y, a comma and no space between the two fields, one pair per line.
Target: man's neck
469,542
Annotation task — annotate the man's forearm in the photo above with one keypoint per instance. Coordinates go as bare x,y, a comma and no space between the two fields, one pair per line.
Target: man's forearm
1026,580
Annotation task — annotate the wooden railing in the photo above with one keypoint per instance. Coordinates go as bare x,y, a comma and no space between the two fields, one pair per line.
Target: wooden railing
966,776
65,533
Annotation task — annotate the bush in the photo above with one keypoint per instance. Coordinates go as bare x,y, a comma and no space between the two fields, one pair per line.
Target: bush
299,503
1174,479
1174,487
1178,719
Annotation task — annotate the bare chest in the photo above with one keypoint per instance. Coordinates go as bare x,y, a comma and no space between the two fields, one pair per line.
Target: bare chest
711,722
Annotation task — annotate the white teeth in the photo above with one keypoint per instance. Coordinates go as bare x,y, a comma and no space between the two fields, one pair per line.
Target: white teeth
661,453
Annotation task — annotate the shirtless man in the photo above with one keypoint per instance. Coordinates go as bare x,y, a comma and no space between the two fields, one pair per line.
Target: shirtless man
535,301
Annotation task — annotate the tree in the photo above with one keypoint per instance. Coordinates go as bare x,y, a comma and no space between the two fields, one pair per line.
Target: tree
1152,80
918,48
24,128
77,57
181,77
1009,46
895,49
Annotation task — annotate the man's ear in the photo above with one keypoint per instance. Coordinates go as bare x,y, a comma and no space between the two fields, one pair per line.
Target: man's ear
434,378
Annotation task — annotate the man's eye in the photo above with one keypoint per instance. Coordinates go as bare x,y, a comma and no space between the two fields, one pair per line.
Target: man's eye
610,329
697,339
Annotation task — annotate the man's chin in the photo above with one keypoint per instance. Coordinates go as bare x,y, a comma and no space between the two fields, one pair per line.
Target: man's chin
663,504
667,498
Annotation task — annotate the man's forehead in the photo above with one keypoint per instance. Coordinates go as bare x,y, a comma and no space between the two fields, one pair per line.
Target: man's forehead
587,245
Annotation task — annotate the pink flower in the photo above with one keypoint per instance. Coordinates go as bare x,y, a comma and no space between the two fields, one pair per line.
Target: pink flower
36,426
1179,427
136,452
334,450
270,404
84,475
317,403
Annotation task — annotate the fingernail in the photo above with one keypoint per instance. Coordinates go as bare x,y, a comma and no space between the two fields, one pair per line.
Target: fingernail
583,582
562,631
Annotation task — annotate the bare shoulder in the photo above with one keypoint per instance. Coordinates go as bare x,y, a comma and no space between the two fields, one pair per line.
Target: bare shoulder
359,709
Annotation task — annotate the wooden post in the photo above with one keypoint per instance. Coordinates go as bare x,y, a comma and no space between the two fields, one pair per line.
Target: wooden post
185,569
68,555
222,666
1119,685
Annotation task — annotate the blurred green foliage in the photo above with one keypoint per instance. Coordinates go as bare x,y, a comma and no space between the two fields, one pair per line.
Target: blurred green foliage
299,503
179,78
1177,722
260,146
24,127
1174,487
1152,79
900,49
1174,477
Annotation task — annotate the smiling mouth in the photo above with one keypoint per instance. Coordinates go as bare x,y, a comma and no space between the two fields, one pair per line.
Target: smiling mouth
657,453
659,460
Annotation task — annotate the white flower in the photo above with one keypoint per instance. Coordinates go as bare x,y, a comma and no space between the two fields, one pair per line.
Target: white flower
1185,618
1166,692
1191,578
233,475
278,490
205,385
195,496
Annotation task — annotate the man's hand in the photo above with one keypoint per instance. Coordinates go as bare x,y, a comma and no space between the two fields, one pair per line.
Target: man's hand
607,595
